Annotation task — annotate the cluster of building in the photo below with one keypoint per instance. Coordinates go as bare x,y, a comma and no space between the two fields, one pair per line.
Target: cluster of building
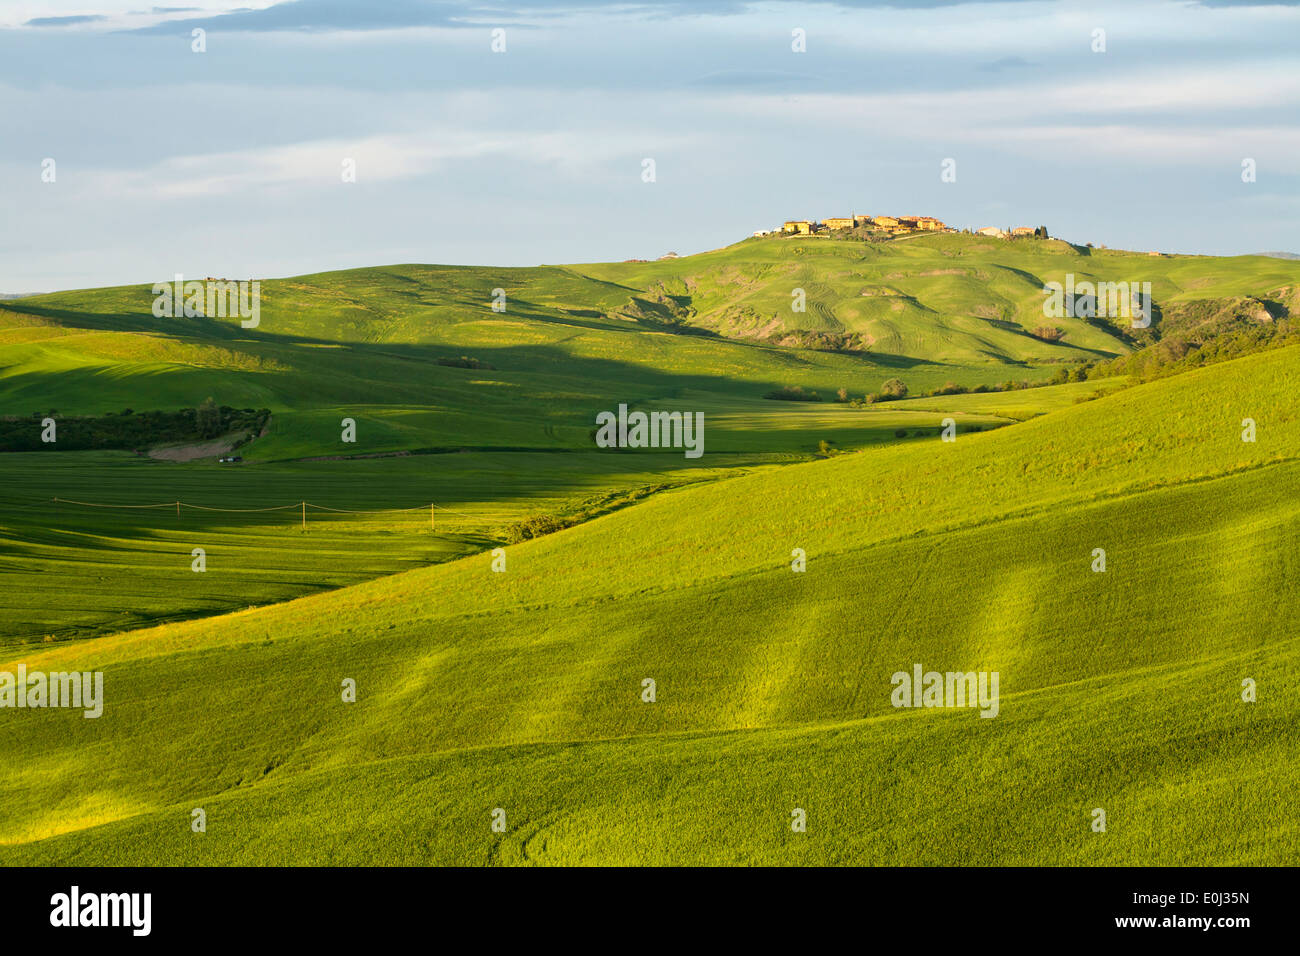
997,233
891,225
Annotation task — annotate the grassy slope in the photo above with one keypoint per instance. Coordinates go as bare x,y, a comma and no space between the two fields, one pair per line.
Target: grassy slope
1018,404
116,568
948,297
364,343
520,689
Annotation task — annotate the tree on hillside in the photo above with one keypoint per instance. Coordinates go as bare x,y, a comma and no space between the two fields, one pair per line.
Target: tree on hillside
207,420
894,388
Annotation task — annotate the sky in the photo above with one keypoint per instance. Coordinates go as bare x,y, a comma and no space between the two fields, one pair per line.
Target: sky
126,156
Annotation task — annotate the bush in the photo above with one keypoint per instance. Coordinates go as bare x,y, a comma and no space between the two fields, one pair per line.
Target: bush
900,433
894,388
533,527
851,342
465,362
1049,333
793,393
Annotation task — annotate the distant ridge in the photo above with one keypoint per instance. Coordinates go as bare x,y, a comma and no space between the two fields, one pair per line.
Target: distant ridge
1280,255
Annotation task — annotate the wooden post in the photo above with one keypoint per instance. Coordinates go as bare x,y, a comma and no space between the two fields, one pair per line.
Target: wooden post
431,525
178,511
304,516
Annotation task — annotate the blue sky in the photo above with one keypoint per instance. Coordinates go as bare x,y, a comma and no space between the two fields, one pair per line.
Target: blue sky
229,162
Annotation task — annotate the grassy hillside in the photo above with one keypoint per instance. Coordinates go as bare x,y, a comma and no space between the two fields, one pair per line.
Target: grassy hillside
521,689
575,340
118,553
367,346
953,298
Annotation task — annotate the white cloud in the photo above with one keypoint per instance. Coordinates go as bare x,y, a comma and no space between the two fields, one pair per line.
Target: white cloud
116,14
318,164
1192,116
1254,85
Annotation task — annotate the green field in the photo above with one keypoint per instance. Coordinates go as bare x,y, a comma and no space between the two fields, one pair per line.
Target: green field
521,689
75,570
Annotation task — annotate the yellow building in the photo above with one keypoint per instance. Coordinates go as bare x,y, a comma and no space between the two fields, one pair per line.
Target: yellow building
892,224
1022,231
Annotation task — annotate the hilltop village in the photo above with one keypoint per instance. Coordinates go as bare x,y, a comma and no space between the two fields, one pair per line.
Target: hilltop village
889,227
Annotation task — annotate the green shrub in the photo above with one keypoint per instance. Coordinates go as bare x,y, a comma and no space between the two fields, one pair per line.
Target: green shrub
533,527
894,388
465,362
793,393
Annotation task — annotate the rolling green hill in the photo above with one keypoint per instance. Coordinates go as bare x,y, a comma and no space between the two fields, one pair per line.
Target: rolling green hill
521,689
572,340
114,552
367,346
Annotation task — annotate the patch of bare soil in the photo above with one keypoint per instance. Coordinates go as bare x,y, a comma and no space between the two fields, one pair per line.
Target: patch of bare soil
208,449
